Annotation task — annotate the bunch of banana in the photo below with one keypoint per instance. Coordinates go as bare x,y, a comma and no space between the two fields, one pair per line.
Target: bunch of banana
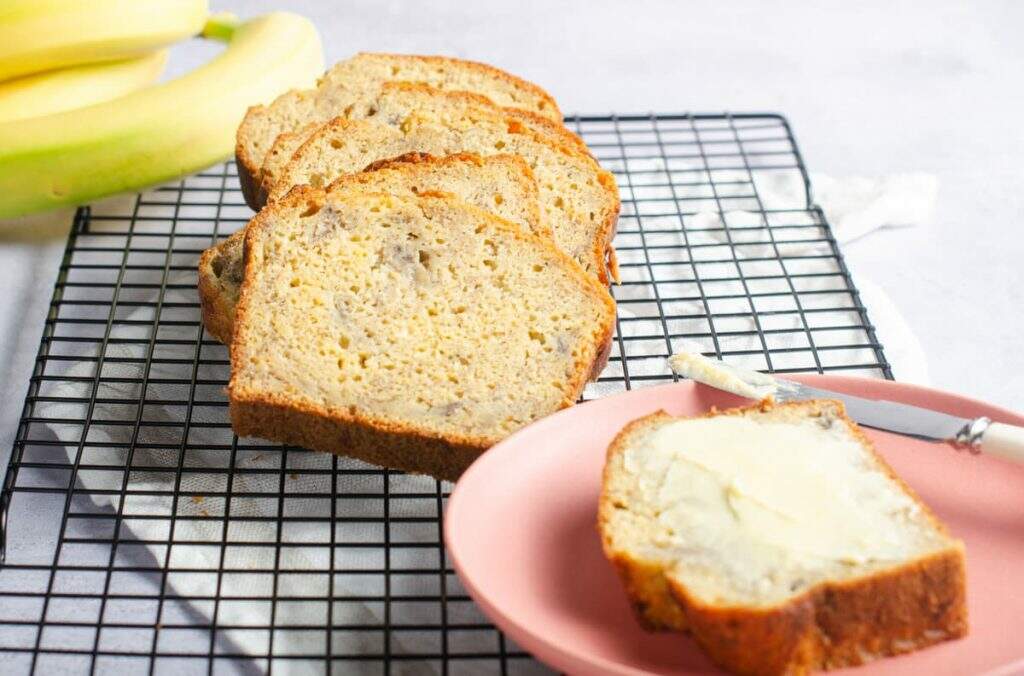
80,117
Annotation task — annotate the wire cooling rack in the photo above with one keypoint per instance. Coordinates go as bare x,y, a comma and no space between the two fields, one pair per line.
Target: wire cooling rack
143,537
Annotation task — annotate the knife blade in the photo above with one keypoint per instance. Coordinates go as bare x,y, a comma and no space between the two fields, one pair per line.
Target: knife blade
974,434
882,414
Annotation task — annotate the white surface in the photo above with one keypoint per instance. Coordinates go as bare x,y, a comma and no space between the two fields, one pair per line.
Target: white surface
870,88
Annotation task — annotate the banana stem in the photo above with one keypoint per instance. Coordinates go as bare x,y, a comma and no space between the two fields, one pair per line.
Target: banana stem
221,26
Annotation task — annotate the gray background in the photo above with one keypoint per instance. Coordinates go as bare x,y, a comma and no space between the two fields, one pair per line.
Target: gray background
870,87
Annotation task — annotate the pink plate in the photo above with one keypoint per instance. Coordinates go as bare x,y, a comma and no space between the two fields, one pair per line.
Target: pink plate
520,529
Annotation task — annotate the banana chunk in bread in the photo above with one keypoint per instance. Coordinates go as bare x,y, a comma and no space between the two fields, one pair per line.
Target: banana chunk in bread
412,332
501,184
579,199
778,538
350,80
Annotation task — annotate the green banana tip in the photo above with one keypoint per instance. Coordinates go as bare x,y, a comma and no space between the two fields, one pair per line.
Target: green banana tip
221,26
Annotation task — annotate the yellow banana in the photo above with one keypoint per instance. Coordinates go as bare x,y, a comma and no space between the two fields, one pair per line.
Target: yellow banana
40,35
68,88
161,132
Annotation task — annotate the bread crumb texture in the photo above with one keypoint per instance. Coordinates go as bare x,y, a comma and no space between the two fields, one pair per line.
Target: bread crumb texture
399,320
501,184
579,200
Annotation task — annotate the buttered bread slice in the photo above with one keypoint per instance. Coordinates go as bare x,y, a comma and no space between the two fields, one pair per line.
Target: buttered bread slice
408,332
349,81
579,199
778,538
501,184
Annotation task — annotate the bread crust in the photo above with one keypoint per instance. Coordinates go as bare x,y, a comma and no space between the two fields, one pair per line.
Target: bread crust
249,168
829,625
245,164
350,432
551,106
218,314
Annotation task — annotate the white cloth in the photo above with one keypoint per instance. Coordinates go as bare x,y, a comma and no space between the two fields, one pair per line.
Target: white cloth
855,207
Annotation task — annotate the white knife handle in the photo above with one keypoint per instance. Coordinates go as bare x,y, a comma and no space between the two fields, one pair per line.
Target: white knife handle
1006,441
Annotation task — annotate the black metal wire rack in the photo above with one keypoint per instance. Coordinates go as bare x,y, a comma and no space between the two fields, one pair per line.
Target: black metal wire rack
141,536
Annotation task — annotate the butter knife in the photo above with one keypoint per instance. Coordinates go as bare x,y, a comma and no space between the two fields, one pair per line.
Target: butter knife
977,435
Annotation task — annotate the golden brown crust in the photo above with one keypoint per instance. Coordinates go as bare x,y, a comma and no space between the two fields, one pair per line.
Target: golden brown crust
830,625
837,624
550,107
248,167
645,583
218,316
395,446
546,126
613,265
350,432
248,180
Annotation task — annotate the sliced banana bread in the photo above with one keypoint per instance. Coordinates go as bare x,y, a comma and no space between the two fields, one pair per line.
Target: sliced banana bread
408,332
501,184
579,199
399,104
778,538
350,80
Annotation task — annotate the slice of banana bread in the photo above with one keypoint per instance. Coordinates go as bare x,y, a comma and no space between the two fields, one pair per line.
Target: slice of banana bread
351,79
408,332
400,104
501,184
580,199
778,538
